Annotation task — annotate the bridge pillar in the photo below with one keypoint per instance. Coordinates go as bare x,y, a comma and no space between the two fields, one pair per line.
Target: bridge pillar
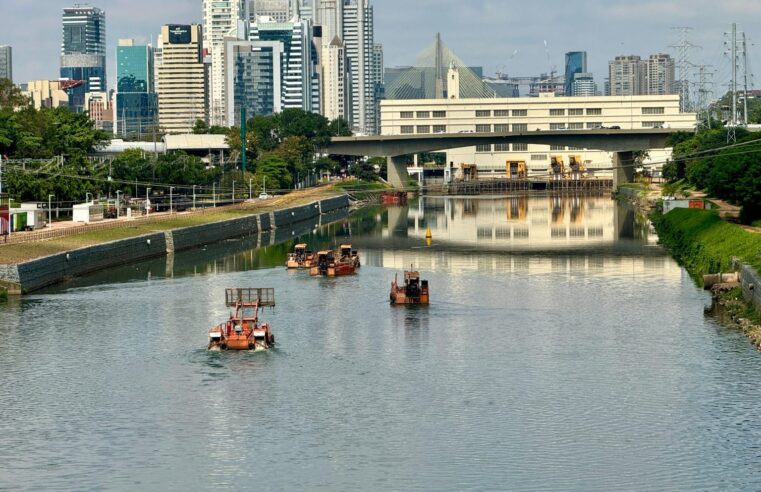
623,168
397,172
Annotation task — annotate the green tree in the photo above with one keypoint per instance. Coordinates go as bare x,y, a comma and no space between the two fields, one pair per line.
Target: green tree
276,170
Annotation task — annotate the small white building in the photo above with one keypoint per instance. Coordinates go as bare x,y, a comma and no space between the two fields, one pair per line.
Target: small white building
88,212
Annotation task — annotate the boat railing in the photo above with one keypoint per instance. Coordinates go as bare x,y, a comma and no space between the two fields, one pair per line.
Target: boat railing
263,297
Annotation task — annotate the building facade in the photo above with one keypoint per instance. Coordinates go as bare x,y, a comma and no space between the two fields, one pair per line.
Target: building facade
661,74
336,88
83,51
136,101
254,78
182,94
516,115
583,85
6,62
359,37
575,63
220,18
279,10
100,109
50,93
627,76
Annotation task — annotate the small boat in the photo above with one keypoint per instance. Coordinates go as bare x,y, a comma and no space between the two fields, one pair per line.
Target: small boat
412,291
328,264
243,330
349,255
394,198
322,263
300,258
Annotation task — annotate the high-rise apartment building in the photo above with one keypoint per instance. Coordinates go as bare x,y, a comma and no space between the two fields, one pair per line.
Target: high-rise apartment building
575,63
220,19
83,51
661,72
135,92
359,37
6,63
628,76
583,85
336,88
182,79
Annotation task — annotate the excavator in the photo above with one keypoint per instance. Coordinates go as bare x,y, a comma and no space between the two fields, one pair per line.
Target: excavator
577,168
516,169
557,167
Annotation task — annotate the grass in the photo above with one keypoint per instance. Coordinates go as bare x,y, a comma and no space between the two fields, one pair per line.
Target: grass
704,243
357,185
18,253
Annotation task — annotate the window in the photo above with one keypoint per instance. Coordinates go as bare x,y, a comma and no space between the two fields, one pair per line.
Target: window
557,112
502,113
538,157
483,128
576,112
439,128
520,112
520,147
577,149
483,113
594,111
653,110
502,148
408,129
483,148
520,127
502,127
423,114
653,124
406,114
557,147
575,126
439,114
597,124
423,129
557,126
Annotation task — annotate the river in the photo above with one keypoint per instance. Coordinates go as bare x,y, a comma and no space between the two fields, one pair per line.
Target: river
563,350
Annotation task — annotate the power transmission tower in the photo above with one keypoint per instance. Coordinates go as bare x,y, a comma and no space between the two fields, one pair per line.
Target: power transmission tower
732,133
705,86
745,82
683,61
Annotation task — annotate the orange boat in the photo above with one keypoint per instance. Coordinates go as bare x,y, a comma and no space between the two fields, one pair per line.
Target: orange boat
243,330
327,265
300,258
413,291
322,263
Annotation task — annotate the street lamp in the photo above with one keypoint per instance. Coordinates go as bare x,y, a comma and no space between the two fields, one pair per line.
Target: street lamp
50,210
233,192
171,208
147,202
194,197
250,190
118,207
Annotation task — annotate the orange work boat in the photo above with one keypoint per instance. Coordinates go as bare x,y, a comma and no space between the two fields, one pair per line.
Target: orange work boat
243,330
327,265
412,291
300,258
322,263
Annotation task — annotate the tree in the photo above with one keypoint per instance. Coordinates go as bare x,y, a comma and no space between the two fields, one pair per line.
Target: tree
200,127
276,171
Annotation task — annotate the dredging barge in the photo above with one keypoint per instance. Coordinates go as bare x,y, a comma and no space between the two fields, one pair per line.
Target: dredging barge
412,291
243,330
300,258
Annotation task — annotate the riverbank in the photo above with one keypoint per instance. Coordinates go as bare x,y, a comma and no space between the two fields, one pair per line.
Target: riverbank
94,251
732,308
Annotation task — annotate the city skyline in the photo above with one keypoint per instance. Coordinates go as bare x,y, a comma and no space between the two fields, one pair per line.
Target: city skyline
504,43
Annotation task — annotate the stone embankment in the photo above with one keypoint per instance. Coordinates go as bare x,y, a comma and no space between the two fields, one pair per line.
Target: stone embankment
36,274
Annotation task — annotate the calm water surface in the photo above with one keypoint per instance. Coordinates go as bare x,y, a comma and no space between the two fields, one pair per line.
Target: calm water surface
563,350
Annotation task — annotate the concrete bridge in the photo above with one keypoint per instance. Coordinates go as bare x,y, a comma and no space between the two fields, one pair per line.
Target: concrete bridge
623,143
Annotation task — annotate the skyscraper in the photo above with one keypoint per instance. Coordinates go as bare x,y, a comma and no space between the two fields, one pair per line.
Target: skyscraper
220,19
575,62
359,37
253,79
135,94
6,63
660,75
583,85
336,87
182,79
627,76
83,51
278,10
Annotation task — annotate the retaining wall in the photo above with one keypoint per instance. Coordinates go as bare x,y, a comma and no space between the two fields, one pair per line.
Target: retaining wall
751,285
293,215
201,235
36,274
332,204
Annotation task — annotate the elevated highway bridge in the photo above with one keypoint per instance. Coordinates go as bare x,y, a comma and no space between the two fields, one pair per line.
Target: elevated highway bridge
622,143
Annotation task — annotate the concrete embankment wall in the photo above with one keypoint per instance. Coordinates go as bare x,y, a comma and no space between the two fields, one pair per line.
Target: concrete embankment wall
39,273
751,285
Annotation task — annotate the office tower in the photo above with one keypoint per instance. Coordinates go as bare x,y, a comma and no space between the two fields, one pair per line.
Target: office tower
628,76
135,92
278,10
6,63
336,86
253,79
182,79
660,75
158,53
299,76
220,19
575,62
583,85
83,51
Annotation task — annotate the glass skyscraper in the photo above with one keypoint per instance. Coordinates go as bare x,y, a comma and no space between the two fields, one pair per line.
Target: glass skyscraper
253,79
83,51
575,62
136,101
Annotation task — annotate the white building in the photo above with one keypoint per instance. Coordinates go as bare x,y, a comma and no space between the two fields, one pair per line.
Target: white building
336,87
547,112
660,74
220,17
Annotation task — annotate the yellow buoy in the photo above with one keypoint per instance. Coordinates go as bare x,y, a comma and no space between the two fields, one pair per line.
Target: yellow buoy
428,234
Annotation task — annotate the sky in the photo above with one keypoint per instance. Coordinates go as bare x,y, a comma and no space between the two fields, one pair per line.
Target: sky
505,35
